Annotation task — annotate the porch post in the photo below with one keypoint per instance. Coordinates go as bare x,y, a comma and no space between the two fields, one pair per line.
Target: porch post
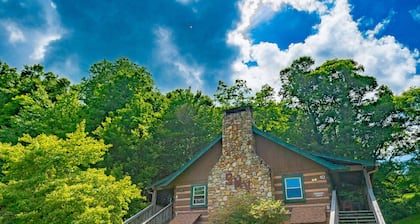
154,196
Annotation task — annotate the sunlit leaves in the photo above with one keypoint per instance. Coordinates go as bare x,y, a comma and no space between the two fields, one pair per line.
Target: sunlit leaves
48,180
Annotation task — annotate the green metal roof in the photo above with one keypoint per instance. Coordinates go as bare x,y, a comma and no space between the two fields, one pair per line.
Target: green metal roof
346,160
321,159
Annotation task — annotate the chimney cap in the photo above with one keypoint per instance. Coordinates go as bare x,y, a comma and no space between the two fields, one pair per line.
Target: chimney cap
238,109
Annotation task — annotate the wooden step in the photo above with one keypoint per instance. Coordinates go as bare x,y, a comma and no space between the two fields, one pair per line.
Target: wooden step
356,217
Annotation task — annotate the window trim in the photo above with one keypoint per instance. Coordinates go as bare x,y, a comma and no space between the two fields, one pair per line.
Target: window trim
192,205
301,181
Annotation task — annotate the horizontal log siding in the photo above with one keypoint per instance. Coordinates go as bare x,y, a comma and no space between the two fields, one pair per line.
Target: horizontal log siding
317,190
182,203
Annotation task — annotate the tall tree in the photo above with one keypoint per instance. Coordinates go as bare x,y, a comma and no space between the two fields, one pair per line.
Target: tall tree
348,113
407,140
127,129
49,180
36,102
111,86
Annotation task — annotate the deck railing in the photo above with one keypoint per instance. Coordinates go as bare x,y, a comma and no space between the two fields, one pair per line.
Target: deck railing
373,204
334,208
143,215
163,216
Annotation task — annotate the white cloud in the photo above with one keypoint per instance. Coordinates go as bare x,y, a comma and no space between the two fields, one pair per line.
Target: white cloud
15,33
35,40
168,53
415,13
41,44
380,26
337,36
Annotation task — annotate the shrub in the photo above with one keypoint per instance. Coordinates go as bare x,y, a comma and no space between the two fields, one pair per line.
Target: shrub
247,209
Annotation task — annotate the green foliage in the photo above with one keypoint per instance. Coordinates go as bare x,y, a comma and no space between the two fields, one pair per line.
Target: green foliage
49,180
414,219
127,129
397,186
247,209
237,95
35,102
336,110
269,115
110,87
407,140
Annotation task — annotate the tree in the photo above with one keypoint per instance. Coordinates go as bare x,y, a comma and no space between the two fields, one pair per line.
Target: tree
269,115
32,101
406,142
111,86
397,187
247,209
127,129
50,180
342,111
236,95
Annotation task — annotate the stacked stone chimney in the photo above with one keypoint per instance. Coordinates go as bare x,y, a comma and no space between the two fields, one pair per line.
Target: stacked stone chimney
239,169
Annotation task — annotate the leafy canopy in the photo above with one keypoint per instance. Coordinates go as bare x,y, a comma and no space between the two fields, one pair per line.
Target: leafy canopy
49,180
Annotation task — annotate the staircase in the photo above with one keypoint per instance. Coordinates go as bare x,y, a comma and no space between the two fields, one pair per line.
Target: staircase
153,214
353,217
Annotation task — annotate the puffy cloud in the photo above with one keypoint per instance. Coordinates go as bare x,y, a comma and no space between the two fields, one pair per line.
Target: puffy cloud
15,33
174,63
337,36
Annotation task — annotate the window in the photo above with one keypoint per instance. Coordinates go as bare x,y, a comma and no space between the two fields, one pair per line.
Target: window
293,188
199,195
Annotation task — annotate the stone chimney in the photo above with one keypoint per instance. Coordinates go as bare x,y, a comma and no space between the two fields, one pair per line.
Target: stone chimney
239,169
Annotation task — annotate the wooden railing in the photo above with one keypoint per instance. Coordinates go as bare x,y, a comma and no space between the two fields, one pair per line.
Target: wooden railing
334,208
143,215
373,204
163,216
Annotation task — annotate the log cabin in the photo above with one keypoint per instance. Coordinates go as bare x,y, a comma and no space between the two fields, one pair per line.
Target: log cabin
315,188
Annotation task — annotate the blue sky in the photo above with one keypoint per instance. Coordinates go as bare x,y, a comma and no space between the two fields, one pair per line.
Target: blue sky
196,42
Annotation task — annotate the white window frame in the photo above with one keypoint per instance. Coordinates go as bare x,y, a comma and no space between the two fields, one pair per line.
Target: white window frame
195,196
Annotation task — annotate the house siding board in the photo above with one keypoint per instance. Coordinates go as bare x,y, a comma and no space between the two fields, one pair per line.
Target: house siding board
282,160
199,171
